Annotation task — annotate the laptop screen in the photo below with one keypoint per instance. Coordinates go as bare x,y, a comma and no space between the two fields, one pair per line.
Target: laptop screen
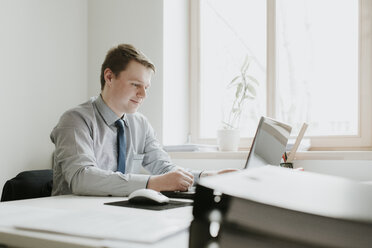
268,144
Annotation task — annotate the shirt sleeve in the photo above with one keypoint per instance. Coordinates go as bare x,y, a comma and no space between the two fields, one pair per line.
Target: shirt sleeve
156,160
74,154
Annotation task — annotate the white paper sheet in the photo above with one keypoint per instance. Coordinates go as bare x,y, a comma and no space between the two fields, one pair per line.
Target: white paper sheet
145,226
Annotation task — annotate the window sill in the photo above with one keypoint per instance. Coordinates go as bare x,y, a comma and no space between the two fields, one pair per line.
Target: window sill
306,155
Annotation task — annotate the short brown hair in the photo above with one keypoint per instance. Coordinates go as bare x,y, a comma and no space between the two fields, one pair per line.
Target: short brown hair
118,58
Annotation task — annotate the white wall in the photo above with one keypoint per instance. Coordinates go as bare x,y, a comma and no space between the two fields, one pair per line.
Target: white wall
43,73
140,23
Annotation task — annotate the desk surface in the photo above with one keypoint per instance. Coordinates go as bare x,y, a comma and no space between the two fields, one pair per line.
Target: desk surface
12,236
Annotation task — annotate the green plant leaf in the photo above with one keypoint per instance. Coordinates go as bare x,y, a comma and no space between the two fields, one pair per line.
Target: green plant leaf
233,81
238,90
253,79
249,97
251,90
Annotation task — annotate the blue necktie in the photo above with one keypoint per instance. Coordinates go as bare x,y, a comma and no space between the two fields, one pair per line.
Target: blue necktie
122,146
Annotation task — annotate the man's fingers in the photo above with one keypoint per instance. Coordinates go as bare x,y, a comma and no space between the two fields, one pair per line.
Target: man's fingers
188,179
189,174
186,176
184,186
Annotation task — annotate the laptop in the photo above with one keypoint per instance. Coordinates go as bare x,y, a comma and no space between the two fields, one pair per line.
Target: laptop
268,146
269,143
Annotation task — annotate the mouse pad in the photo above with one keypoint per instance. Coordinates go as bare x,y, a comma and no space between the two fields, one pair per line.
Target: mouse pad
171,204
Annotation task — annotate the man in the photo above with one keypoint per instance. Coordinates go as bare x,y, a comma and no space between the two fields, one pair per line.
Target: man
93,156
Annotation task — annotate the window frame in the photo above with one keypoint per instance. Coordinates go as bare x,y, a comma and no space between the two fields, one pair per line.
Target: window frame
361,141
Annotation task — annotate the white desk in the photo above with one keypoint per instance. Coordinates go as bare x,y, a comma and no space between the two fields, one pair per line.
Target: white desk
16,237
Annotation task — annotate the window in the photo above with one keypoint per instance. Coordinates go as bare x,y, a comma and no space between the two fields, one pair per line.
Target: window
310,62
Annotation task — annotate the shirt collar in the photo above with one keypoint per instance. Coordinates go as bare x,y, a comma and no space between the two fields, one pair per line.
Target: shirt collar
107,114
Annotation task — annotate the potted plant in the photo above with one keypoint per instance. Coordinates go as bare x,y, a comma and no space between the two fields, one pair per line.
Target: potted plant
244,89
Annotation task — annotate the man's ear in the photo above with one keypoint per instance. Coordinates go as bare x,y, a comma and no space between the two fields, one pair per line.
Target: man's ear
108,75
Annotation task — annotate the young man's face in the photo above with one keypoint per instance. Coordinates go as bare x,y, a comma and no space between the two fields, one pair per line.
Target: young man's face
128,89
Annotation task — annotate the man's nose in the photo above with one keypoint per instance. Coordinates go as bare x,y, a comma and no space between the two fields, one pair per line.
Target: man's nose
141,92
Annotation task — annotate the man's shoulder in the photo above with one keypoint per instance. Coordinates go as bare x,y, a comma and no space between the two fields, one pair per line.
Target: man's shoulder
83,112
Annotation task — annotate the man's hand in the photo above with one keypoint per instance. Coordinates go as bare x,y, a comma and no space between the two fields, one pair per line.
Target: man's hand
216,172
175,180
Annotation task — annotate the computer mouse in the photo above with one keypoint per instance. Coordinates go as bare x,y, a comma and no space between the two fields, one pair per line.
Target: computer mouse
147,197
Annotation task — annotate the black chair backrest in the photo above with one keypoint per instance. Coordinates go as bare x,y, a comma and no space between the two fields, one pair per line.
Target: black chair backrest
28,184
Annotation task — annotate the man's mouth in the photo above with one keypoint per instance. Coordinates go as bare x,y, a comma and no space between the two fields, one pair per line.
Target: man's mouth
135,101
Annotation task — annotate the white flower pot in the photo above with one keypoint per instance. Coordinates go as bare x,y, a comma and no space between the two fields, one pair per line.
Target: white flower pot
228,139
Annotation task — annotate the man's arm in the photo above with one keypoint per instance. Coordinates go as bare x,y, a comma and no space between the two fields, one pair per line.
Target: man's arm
90,180
76,163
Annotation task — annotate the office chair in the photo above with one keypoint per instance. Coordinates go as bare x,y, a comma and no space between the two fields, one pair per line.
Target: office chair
28,184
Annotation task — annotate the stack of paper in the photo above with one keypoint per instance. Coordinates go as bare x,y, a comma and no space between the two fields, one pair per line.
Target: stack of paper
191,148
